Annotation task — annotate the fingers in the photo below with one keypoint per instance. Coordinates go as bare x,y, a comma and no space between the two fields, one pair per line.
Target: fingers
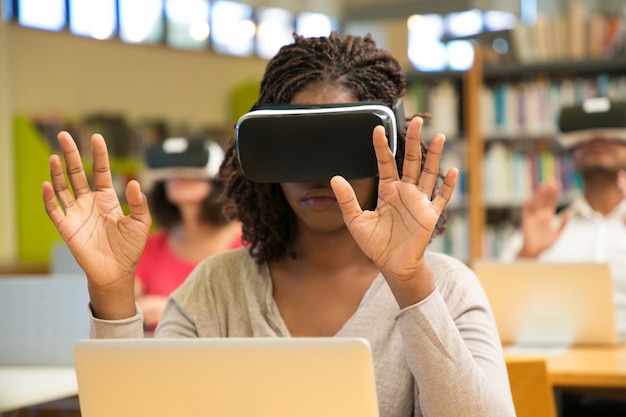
445,191
412,171
429,175
346,198
55,213
387,169
101,169
75,172
546,197
412,151
621,182
59,185
137,203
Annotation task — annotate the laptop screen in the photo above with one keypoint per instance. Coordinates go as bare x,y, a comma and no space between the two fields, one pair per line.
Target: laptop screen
226,377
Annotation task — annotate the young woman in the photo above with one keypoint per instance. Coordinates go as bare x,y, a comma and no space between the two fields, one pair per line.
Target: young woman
339,258
191,226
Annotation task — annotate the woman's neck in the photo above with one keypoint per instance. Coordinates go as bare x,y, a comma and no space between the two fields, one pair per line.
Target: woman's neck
328,252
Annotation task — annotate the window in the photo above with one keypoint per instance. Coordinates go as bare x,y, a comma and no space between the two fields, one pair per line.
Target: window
93,18
274,29
467,23
7,10
426,51
187,23
141,21
460,55
232,28
42,14
310,24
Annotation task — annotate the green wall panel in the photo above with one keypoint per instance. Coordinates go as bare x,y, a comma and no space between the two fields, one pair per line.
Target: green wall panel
35,232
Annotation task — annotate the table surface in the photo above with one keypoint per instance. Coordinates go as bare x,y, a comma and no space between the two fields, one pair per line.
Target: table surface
25,386
587,367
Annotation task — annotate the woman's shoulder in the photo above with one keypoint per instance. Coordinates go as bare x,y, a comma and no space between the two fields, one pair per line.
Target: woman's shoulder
232,258
448,268
443,260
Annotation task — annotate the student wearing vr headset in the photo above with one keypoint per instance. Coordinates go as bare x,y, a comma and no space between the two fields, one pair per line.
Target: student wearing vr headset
185,203
592,228
327,256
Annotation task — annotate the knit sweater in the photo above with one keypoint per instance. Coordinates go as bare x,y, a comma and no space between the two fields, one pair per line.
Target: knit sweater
439,357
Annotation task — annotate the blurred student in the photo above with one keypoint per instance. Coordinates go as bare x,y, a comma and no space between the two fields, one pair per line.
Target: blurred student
185,202
592,228
330,257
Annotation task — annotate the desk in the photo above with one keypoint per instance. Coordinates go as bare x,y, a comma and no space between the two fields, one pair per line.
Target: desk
25,386
589,368
584,367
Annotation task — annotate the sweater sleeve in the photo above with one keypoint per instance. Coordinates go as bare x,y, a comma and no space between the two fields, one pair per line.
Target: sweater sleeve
451,341
131,327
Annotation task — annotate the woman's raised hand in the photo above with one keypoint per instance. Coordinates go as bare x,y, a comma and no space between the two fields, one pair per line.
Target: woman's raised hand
106,243
395,235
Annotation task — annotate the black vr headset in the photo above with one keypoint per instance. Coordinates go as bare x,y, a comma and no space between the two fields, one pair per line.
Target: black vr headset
297,143
184,157
594,118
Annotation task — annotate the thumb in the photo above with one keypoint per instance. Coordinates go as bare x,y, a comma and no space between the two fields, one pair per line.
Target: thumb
138,203
346,198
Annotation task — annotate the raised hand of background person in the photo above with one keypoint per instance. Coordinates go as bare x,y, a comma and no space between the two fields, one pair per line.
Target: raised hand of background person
105,242
540,227
396,234
621,182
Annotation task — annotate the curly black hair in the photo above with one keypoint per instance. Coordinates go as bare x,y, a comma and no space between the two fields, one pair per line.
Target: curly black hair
353,63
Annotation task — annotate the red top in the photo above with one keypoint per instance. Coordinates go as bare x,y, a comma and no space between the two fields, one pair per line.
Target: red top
160,270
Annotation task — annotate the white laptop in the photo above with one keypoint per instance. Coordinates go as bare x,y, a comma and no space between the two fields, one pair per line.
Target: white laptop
41,318
226,377
550,304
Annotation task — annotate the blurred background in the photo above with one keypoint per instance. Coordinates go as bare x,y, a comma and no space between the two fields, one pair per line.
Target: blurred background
138,71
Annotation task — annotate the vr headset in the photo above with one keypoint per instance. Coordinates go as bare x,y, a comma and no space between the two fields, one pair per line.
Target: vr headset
594,118
184,157
297,143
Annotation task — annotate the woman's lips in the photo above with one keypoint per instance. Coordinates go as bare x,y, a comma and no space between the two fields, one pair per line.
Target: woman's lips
319,200
319,203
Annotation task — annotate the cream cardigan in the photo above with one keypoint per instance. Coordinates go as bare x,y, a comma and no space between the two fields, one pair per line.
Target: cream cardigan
440,357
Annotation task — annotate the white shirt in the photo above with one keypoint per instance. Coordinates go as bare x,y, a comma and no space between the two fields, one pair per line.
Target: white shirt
590,236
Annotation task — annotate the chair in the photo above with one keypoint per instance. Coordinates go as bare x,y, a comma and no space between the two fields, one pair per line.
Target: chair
531,387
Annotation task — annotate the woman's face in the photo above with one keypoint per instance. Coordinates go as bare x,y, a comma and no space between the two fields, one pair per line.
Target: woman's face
314,202
181,190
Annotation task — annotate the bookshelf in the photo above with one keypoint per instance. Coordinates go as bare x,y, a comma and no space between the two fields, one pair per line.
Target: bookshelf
506,140
453,99
520,144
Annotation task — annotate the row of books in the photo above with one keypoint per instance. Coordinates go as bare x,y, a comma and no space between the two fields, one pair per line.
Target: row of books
514,110
455,240
496,238
441,101
531,108
578,34
510,175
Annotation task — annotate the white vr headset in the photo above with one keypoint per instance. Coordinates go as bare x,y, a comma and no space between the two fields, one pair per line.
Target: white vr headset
183,157
594,118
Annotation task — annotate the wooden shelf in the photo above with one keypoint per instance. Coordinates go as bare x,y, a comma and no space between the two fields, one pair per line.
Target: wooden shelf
565,68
